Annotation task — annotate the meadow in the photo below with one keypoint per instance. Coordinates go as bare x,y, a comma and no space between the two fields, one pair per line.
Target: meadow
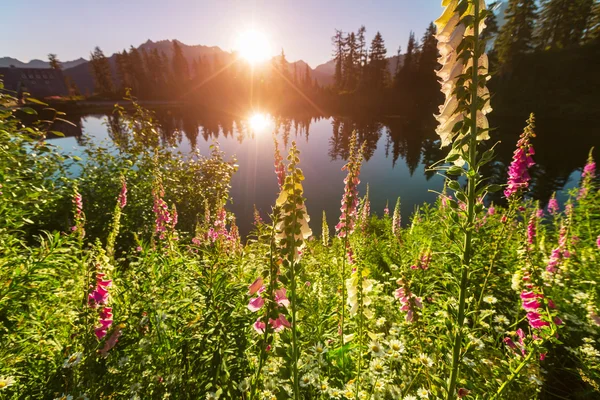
131,281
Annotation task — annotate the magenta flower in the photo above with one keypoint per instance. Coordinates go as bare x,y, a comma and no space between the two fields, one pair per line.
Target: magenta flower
588,175
598,241
531,231
123,195
256,304
259,326
491,210
280,297
509,342
531,305
280,323
255,286
518,174
553,205
111,342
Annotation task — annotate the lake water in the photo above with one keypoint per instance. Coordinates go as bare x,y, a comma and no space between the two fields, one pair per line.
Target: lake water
398,152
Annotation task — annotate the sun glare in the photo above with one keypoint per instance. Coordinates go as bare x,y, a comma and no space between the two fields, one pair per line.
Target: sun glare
259,122
253,46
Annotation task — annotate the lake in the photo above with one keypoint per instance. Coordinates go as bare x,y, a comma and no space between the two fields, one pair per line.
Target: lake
398,152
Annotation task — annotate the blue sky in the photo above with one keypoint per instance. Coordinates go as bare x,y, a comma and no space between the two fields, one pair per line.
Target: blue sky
71,28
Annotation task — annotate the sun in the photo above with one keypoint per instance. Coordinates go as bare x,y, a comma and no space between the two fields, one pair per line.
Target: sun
259,122
253,46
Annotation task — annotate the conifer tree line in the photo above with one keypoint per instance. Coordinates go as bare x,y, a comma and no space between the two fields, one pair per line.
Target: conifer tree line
547,25
364,77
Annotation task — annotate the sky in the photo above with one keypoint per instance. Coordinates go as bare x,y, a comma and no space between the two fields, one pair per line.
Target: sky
303,28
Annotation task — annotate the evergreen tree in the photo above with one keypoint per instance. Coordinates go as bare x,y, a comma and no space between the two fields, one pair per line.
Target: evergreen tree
405,74
427,65
378,72
137,72
122,64
491,24
563,23
516,36
180,65
351,62
338,56
101,72
362,51
307,79
54,62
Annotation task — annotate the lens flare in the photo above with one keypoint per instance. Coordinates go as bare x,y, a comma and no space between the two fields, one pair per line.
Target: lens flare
259,122
253,46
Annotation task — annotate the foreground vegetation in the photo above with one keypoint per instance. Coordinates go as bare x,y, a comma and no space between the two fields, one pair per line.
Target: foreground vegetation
131,280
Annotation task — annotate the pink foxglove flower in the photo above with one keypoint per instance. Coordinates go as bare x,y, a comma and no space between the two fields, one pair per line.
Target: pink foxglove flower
256,286
280,297
256,303
518,174
553,207
123,194
588,175
259,326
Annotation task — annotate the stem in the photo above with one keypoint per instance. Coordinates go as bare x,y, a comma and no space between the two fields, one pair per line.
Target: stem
273,277
471,190
291,255
513,375
359,293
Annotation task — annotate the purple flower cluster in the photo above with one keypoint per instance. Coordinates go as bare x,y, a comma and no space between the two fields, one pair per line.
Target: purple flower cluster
518,174
98,298
349,207
559,252
123,194
163,218
588,175
553,205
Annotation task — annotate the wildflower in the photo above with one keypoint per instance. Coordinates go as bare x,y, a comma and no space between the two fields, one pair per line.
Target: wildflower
491,210
560,252
163,219
588,175
335,393
423,393
518,176
349,208
325,231
598,242
396,218
408,301
409,397
280,323
279,166
259,326
501,319
306,380
378,367
244,385
386,210
490,299
212,396
256,286
6,381
462,392
112,340
72,360
376,349
256,303
396,345
553,204
531,230
319,348
425,359
280,297
79,216
123,194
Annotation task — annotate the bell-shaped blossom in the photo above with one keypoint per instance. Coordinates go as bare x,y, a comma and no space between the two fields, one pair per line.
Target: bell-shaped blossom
518,174
256,286
281,298
256,303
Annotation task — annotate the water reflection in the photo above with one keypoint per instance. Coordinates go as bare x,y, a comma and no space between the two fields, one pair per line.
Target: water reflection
397,152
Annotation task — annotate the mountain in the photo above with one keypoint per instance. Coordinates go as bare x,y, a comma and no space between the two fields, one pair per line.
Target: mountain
80,73
8,61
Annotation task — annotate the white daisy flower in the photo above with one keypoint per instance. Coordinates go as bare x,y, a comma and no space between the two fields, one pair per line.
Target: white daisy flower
501,319
72,360
6,381
423,393
490,299
376,349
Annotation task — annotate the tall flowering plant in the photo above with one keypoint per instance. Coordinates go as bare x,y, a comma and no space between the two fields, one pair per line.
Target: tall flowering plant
462,125
348,218
292,231
518,171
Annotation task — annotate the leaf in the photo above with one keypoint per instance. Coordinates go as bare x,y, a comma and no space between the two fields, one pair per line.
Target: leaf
29,110
57,133
36,101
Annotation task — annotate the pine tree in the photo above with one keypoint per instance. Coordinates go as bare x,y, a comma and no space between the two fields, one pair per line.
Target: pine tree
54,62
122,64
563,23
180,65
351,62
137,72
427,65
516,36
491,24
101,72
378,62
362,51
307,79
338,56
405,74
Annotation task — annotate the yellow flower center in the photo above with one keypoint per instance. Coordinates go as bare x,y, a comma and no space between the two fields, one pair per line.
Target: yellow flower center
3,384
